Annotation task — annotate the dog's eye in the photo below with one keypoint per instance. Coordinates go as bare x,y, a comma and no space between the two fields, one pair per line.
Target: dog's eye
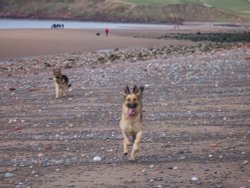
134,99
129,99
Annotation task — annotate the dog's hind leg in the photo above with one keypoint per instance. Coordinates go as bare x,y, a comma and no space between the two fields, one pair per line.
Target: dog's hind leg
64,89
135,148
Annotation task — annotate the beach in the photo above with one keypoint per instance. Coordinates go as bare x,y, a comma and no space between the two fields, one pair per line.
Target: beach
20,43
196,106
29,43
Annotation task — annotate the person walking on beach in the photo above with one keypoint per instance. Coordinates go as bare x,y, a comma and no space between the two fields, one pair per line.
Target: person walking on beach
107,32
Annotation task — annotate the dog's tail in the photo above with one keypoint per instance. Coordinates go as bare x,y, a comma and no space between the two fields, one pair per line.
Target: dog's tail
69,86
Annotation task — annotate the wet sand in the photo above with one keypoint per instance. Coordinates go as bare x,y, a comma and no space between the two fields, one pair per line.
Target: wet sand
26,43
19,43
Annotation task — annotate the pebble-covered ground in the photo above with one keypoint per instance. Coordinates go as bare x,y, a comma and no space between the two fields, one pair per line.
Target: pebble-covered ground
196,119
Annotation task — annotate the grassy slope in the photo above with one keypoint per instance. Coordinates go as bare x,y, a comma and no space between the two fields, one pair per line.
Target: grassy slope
237,7
126,10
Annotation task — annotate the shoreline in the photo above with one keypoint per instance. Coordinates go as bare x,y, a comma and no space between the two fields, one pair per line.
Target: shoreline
25,43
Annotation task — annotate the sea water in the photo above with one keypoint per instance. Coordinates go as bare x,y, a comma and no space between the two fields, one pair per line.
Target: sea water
46,24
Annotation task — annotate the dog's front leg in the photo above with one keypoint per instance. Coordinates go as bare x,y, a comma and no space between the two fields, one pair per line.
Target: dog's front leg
126,143
135,148
57,90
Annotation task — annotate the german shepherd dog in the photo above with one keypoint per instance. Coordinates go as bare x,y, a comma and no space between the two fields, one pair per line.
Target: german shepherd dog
61,82
131,120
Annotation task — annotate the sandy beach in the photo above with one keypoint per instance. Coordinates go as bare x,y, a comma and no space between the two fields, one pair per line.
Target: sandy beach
196,107
19,43
26,43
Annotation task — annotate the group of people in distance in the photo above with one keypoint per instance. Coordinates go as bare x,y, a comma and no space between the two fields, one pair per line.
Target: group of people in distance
61,26
57,26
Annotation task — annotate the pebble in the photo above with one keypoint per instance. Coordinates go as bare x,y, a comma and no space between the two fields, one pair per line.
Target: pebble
8,175
194,178
182,157
151,166
40,155
97,158
131,181
12,89
245,162
19,185
33,172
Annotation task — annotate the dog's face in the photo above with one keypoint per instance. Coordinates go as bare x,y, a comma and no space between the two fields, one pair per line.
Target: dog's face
57,73
132,100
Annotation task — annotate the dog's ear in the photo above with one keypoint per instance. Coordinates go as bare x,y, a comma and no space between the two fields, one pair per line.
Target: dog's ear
141,89
127,90
138,91
135,89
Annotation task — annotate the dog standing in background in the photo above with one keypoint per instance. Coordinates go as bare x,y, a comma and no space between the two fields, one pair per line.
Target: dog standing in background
61,82
131,120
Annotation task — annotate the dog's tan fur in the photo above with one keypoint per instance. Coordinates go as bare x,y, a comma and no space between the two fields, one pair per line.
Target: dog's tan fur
131,120
61,82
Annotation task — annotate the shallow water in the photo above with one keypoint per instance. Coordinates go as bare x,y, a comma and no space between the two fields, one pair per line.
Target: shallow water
46,24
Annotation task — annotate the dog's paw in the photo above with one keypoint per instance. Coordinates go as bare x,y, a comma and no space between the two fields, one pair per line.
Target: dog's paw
132,159
125,153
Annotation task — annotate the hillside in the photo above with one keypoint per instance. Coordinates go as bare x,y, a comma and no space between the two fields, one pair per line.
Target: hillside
157,11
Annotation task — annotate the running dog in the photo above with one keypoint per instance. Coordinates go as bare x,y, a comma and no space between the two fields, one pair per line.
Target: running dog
61,83
131,120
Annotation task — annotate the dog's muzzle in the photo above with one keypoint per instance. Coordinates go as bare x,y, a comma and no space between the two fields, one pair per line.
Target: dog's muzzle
131,108
131,105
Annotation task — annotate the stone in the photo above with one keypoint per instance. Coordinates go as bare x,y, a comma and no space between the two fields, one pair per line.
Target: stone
194,178
8,175
97,158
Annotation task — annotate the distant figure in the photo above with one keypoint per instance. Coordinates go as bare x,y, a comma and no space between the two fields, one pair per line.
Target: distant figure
57,26
107,32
